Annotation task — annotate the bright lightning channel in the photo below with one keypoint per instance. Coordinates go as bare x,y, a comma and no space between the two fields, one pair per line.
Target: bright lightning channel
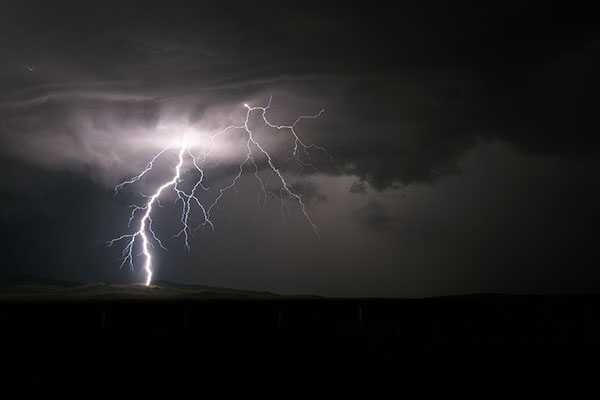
145,231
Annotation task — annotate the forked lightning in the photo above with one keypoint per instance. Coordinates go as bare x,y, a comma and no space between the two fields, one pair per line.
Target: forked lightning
145,236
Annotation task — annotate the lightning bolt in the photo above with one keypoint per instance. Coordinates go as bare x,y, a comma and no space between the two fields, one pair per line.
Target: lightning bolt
145,232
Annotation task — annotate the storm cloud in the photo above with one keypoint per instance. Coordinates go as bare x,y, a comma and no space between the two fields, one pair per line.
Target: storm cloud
403,101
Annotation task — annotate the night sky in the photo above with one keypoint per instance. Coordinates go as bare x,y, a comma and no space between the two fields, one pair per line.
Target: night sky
464,142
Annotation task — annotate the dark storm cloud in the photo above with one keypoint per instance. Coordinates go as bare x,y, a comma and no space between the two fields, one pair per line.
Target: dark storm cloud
407,89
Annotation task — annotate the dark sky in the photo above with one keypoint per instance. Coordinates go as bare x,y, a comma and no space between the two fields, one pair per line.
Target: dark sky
463,137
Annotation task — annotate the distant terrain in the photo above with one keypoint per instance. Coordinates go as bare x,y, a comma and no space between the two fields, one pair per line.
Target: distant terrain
39,289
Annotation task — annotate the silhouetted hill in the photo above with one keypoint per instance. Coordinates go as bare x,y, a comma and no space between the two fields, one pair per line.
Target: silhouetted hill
27,288
32,289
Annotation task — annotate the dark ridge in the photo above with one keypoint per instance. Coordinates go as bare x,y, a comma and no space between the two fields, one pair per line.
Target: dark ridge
33,289
188,286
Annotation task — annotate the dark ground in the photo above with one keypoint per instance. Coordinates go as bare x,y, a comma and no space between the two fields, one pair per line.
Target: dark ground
57,334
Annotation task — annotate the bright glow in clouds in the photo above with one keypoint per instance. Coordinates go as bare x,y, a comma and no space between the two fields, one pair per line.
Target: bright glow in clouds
184,145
